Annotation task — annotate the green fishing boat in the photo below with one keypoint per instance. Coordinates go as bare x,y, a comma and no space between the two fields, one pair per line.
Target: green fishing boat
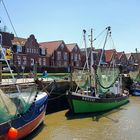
98,88
84,104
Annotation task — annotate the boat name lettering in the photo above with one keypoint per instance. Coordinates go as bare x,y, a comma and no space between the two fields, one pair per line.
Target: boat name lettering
88,99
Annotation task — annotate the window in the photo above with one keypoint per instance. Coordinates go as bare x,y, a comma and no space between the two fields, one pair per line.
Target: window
40,61
65,56
58,55
27,50
43,51
71,56
75,57
131,60
19,48
62,46
18,60
44,61
32,61
24,60
30,50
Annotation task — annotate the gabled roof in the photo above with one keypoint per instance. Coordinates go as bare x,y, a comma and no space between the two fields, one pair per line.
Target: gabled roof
71,46
109,54
136,56
51,46
128,55
119,54
19,41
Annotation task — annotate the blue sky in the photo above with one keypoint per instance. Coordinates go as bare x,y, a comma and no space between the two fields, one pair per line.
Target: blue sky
65,19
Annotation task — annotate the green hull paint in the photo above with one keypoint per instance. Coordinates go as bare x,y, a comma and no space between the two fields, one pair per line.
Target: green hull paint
84,106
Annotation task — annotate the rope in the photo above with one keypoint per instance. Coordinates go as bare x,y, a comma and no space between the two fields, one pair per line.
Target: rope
9,17
99,34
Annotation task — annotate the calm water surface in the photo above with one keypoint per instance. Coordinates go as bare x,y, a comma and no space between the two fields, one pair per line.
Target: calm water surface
119,124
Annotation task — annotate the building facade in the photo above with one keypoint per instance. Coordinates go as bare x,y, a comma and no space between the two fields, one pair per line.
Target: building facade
27,53
75,55
58,53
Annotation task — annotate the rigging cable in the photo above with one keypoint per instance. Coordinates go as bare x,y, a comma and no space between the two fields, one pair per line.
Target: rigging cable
99,34
9,17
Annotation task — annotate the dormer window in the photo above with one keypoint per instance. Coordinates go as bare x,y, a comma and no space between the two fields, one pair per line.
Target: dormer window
43,51
19,48
62,46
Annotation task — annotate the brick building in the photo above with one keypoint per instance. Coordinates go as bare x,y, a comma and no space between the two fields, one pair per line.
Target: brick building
58,53
27,53
75,55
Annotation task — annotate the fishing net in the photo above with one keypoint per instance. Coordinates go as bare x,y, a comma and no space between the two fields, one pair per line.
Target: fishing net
106,77
81,78
135,75
13,102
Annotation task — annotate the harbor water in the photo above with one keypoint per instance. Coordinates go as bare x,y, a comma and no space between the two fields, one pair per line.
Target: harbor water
122,123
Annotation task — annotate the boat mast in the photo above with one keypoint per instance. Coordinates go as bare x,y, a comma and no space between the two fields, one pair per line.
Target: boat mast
92,59
92,70
84,36
108,33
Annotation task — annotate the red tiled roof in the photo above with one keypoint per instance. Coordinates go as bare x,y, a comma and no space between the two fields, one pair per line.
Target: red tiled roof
51,46
19,41
71,46
109,54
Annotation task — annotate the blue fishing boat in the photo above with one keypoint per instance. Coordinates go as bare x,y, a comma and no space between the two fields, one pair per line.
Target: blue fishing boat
22,106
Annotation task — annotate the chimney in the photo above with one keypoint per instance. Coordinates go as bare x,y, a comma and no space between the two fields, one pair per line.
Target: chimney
136,50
